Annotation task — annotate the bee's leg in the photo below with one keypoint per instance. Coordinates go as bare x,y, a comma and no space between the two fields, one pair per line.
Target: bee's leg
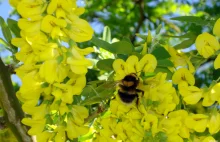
137,102
140,91
138,98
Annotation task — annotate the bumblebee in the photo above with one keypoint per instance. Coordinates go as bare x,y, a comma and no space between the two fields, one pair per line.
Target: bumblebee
128,91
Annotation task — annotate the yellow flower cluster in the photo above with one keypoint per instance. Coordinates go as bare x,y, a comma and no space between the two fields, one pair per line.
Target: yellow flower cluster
207,44
53,68
156,111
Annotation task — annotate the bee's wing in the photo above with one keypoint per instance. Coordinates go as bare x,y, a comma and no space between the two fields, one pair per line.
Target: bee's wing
93,94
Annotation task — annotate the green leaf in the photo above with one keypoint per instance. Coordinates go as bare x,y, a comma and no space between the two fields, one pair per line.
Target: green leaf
185,44
187,35
101,43
161,137
122,47
5,30
158,29
44,85
164,63
128,40
197,60
3,42
164,70
192,19
160,53
93,95
123,57
107,34
59,59
138,48
13,25
147,75
85,137
144,37
105,64
216,74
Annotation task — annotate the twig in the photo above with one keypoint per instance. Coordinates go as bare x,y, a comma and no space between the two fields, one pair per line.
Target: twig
11,106
141,20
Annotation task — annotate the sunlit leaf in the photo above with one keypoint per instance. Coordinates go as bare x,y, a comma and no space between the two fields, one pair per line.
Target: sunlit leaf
187,35
192,19
13,25
142,36
121,47
158,29
107,34
5,30
185,44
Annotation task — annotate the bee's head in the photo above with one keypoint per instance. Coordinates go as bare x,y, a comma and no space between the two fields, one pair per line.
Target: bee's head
130,80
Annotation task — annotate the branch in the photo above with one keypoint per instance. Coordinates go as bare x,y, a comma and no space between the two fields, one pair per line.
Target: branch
141,20
11,106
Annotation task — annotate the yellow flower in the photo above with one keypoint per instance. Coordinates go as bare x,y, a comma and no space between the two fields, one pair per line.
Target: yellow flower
46,51
31,86
52,71
150,121
206,44
134,114
26,53
183,74
78,63
212,95
66,91
174,138
197,122
24,69
14,3
63,7
60,135
209,139
217,62
214,123
85,51
132,65
119,109
27,8
44,136
216,28
37,112
78,29
79,113
191,94
74,130
29,26
53,25
181,115
37,126
170,126
148,63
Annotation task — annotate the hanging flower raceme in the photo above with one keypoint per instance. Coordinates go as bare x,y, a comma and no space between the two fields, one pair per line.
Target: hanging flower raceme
52,74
